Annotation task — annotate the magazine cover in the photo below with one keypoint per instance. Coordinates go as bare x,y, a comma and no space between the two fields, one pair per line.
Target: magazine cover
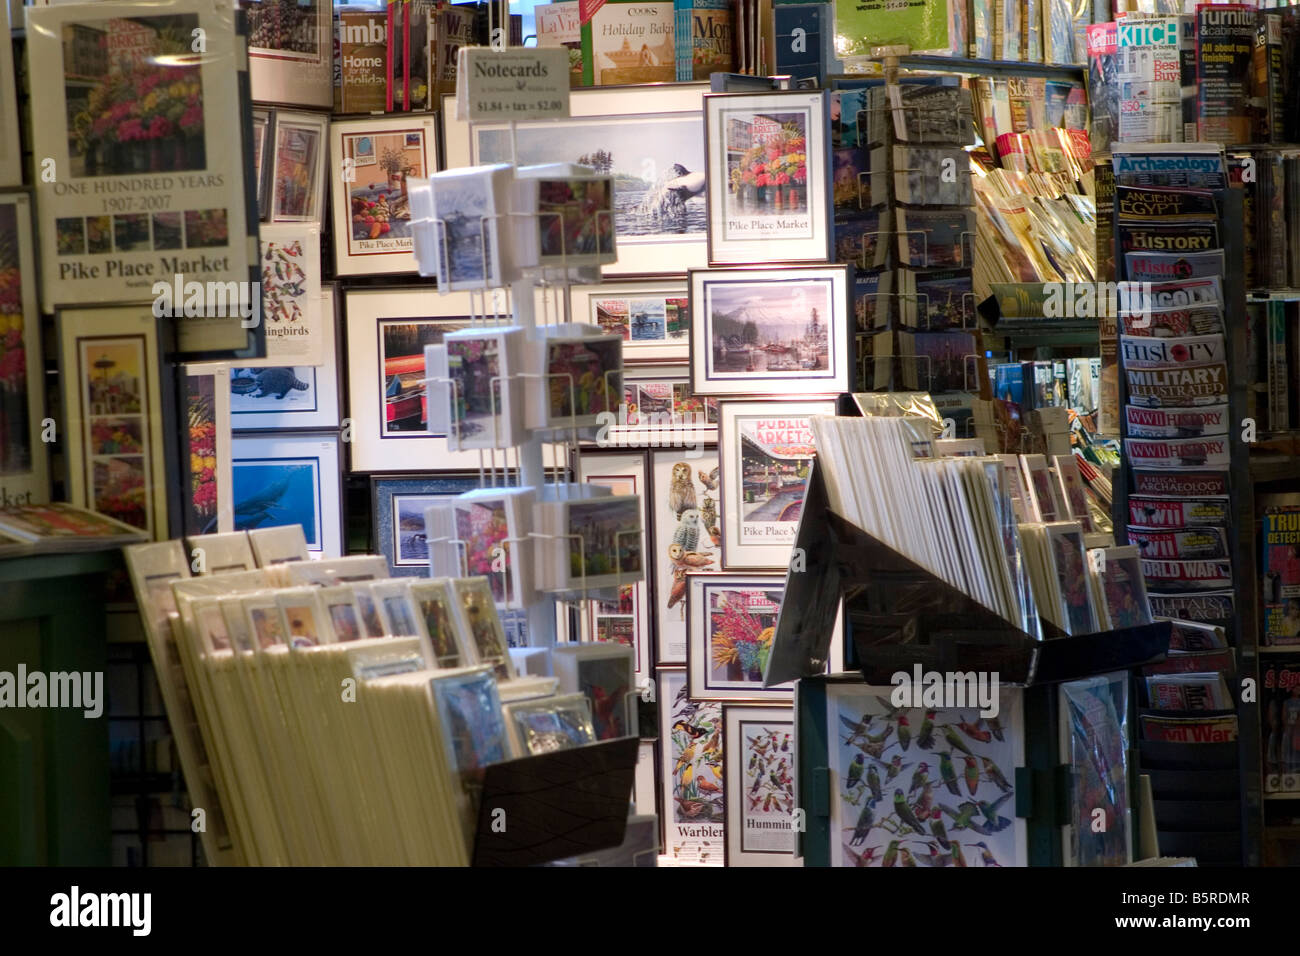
1225,46
1280,570
628,41
704,37
1280,702
927,786
1189,730
558,25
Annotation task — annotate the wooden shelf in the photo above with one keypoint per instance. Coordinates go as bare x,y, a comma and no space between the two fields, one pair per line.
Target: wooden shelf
957,64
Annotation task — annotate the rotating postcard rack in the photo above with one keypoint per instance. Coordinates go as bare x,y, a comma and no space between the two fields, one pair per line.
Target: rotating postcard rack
899,615
568,802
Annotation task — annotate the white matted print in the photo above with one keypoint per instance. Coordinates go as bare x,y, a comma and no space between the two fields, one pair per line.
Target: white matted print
770,331
732,624
767,177
291,299
688,539
625,620
371,162
290,51
647,137
903,777
759,755
297,172
291,396
290,479
690,747
766,452
653,318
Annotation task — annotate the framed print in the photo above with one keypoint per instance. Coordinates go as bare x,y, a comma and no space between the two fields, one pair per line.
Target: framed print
627,619
113,402
652,317
372,159
290,51
684,515
691,751
297,172
399,507
732,620
387,331
767,194
290,479
263,125
208,508
291,298
647,137
968,778
765,452
759,762
768,331
149,159
660,410
11,157
24,458
284,397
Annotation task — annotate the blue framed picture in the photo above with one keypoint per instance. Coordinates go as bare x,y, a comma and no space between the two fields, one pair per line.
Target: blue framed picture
399,505
289,479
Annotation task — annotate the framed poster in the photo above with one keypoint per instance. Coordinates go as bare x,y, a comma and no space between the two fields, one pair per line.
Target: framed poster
291,299
659,410
149,159
647,137
886,807
768,170
297,170
207,438
290,479
766,331
759,770
372,159
653,318
627,619
684,514
732,620
113,403
24,457
11,157
290,51
387,331
282,397
765,452
691,751
399,506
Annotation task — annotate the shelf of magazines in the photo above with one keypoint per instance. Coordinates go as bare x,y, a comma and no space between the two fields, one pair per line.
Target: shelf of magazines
1159,381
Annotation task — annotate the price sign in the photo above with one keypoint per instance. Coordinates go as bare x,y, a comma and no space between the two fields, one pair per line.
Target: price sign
514,84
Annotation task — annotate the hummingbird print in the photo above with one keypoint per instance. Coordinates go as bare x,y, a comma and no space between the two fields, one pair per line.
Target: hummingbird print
955,741
974,732
972,774
994,725
919,776
957,858
873,781
895,768
891,853
962,816
995,775
905,814
904,732
860,832
925,801
940,833
925,740
986,855
949,774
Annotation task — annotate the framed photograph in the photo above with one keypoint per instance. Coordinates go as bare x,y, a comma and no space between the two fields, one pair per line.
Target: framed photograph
11,157
151,151
732,622
290,51
263,133
767,193
372,159
878,790
659,409
290,479
768,331
646,137
291,296
24,457
297,172
387,331
113,403
209,507
759,761
687,534
604,674
627,619
652,317
399,506
285,397
691,772
766,452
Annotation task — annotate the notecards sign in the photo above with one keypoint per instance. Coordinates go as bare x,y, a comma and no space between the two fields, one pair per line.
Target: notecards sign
514,84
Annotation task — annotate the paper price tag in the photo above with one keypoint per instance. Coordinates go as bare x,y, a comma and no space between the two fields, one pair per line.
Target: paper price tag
515,84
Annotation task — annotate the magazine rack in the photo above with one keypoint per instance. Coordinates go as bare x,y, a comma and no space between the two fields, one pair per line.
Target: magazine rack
900,614
553,806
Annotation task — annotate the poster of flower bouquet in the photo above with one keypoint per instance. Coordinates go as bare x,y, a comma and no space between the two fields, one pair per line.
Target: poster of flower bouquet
134,95
15,435
201,509
732,624
767,164
692,772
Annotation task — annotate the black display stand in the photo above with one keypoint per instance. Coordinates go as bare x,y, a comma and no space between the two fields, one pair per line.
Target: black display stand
553,806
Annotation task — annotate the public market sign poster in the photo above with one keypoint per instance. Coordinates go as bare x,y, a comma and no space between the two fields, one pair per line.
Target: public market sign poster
143,180
923,26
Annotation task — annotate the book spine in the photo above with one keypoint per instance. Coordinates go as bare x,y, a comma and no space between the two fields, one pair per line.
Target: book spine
1279,418
682,41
